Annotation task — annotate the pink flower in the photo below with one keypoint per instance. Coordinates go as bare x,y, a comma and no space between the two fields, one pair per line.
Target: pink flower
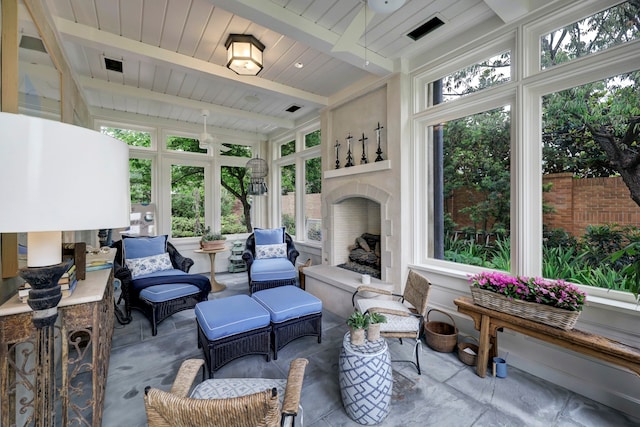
556,293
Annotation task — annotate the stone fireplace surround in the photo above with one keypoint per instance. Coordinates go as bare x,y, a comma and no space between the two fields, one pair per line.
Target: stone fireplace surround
348,211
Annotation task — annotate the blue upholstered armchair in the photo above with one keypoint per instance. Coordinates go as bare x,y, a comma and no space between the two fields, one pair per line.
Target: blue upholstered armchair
155,279
271,257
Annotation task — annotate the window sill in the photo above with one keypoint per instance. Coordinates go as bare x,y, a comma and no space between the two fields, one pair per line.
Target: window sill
456,276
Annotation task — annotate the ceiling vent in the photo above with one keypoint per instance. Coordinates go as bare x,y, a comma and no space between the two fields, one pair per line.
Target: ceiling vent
32,43
293,108
113,64
425,28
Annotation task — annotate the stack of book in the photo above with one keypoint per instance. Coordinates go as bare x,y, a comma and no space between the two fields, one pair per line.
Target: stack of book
98,264
67,282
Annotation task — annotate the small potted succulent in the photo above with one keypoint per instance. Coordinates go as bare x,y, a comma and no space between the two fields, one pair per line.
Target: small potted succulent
212,240
358,322
373,331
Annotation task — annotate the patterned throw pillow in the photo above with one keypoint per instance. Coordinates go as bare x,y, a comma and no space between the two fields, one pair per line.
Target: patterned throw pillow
150,264
271,251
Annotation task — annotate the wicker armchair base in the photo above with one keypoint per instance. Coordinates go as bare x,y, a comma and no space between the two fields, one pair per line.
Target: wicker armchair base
289,330
218,353
156,312
260,286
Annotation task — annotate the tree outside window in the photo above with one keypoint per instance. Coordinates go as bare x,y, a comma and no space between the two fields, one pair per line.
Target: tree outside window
235,206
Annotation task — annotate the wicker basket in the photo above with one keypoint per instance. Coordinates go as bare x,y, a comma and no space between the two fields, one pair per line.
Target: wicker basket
472,344
552,316
441,336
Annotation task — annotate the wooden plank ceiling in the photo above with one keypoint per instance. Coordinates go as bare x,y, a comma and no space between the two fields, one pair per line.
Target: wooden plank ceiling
174,57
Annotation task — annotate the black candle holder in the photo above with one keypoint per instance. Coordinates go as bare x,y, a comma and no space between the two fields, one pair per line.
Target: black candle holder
349,156
379,150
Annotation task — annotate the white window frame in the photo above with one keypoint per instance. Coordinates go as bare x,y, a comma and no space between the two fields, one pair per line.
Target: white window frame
298,158
162,158
524,92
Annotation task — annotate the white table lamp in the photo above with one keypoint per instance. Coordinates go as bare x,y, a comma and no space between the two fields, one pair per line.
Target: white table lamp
56,177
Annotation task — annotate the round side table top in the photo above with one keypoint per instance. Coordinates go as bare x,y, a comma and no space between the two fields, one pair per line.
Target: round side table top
210,251
368,349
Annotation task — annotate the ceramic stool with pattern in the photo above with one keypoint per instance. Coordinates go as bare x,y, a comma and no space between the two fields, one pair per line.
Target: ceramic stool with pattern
365,380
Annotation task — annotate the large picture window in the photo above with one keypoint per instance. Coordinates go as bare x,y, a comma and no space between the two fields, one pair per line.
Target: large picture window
235,200
590,134
187,200
476,190
603,30
538,176
298,165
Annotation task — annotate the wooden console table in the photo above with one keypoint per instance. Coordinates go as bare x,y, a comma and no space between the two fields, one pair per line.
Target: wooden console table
488,322
82,344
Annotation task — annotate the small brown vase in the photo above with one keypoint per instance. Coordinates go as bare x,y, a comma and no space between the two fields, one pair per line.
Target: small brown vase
373,332
357,336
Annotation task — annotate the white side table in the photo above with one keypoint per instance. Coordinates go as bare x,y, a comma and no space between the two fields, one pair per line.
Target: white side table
365,380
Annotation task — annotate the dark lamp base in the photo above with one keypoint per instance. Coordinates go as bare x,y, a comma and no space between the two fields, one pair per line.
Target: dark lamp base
45,293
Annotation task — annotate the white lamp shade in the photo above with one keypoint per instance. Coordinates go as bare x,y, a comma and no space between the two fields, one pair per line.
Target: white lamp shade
59,177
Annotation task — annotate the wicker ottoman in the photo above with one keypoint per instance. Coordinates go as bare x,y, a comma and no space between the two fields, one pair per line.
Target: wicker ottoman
294,314
232,327
161,301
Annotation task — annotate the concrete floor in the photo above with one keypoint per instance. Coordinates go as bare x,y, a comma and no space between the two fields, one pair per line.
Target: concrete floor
448,393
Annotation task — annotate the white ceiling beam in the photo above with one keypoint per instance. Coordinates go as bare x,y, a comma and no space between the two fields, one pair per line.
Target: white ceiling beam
229,135
509,10
98,39
134,92
271,15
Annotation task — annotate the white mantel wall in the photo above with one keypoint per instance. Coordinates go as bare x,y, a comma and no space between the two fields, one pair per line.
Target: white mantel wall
357,113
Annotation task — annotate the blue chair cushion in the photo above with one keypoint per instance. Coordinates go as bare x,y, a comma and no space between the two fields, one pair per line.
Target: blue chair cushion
229,316
265,270
287,302
141,247
175,272
269,236
162,293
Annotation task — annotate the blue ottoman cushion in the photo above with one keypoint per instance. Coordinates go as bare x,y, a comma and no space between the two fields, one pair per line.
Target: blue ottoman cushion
229,316
161,293
287,302
264,270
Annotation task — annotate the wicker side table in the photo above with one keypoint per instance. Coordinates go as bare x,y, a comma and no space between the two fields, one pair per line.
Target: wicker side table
365,380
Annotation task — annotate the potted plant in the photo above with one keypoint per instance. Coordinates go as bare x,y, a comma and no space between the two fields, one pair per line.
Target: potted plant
358,322
210,240
373,331
553,302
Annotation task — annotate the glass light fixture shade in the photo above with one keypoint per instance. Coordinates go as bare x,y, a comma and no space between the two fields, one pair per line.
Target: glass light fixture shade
59,177
244,54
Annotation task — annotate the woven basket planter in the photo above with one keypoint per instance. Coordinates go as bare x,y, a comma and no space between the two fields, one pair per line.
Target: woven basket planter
441,336
552,316
468,358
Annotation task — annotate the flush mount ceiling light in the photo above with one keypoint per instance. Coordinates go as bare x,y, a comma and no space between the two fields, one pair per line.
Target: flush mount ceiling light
244,54
385,6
